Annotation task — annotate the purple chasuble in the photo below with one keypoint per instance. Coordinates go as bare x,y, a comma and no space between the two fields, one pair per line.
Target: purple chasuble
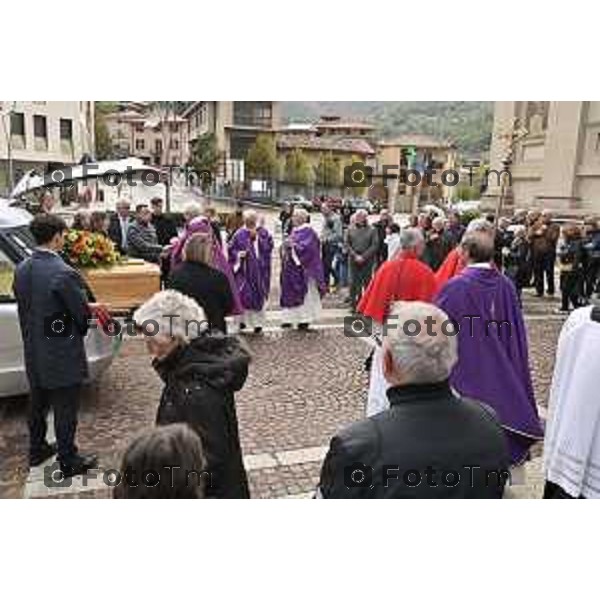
202,225
252,273
493,364
306,247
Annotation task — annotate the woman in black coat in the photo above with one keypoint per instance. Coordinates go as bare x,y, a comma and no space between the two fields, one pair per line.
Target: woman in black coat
208,286
201,371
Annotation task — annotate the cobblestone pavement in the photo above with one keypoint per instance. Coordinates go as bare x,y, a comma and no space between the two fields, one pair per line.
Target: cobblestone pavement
301,389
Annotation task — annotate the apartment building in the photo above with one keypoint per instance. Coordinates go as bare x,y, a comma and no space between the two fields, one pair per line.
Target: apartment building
35,134
345,141
158,139
417,152
235,125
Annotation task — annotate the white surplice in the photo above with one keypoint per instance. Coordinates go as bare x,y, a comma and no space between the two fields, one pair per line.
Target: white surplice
572,442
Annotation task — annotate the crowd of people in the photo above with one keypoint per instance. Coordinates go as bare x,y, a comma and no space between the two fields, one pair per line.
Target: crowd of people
469,387
527,248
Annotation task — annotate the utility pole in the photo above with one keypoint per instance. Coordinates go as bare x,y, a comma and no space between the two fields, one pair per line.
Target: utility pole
410,163
8,135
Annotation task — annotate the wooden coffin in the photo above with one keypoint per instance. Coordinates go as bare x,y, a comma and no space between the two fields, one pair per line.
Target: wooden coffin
124,286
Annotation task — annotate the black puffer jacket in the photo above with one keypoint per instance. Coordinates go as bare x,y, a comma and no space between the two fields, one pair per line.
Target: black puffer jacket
200,380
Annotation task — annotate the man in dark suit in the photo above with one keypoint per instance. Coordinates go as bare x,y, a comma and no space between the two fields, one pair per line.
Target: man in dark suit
430,443
54,316
118,227
165,227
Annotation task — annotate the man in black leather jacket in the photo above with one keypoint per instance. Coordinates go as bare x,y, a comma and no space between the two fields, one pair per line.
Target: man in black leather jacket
430,443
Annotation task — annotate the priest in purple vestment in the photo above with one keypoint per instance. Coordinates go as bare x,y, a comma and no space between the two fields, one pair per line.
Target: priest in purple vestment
302,279
249,253
202,225
493,362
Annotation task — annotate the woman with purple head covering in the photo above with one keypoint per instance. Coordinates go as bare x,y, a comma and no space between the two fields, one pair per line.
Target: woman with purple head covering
202,225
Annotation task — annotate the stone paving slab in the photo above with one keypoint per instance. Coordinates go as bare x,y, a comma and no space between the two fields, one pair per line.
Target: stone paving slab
40,484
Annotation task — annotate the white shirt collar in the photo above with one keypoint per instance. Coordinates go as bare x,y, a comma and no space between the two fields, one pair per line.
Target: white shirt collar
483,265
47,250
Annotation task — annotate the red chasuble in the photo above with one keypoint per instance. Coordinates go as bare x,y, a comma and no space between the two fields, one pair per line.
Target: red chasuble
452,266
403,278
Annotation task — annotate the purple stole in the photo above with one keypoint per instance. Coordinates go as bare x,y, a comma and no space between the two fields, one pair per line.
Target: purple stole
300,263
252,273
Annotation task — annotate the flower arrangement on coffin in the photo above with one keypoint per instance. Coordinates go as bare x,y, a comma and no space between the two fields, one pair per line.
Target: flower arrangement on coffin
90,250
117,282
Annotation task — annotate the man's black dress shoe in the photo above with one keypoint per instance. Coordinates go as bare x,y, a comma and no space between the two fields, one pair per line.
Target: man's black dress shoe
47,451
78,464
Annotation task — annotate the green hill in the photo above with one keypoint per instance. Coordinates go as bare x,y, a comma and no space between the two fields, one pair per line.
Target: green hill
468,124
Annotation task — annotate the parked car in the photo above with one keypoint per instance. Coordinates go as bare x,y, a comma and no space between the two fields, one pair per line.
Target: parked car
300,202
359,204
467,206
336,202
16,243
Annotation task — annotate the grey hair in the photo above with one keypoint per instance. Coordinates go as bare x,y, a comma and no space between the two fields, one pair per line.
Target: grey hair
477,246
361,212
423,356
410,238
480,225
176,315
193,209
438,221
302,214
250,215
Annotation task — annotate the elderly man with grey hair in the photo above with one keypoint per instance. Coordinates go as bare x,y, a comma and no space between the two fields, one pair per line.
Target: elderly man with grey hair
363,245
430,442
249,254
403,278
119,225
302,279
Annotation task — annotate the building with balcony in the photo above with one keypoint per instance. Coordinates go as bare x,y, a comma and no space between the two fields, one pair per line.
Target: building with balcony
158,139
334,125
314,143
552,150
36,134
235,125
416,152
